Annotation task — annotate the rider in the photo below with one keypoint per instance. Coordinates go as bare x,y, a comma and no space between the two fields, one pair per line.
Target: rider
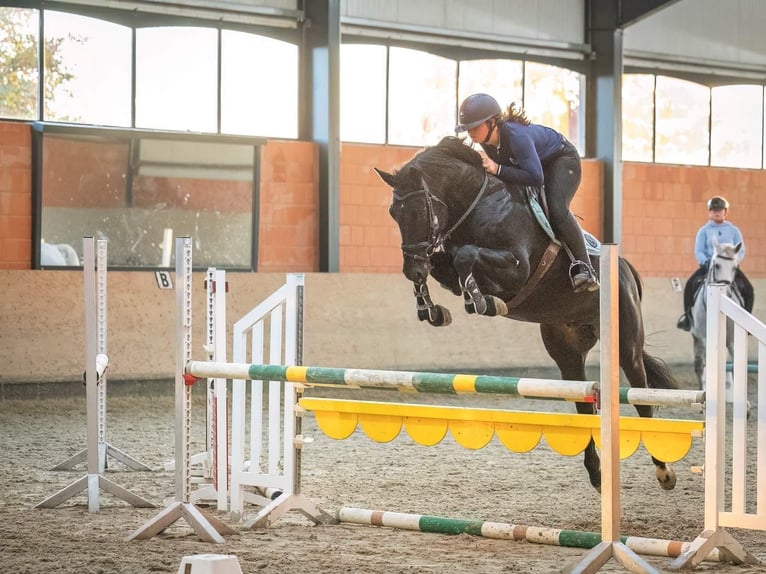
520,152
724,232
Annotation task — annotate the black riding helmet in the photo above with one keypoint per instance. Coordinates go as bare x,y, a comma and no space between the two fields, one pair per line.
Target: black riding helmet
717,203
476,109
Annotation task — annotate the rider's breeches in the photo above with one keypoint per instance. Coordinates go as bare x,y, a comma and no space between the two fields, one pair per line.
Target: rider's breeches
562,177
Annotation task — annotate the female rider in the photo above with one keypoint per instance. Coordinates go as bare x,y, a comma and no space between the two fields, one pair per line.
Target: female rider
520,152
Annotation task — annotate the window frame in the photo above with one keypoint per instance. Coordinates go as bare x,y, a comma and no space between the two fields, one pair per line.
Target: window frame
41,129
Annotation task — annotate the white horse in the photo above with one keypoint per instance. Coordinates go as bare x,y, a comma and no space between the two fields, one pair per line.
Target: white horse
722,270
58,254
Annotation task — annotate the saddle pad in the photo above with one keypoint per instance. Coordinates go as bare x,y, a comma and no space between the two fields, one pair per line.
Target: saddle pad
592,245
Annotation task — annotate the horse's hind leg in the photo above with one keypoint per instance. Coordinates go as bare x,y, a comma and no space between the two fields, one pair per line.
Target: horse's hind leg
568,347
633,361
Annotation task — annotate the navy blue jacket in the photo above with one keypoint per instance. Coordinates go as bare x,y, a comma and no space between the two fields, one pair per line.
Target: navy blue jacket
523,150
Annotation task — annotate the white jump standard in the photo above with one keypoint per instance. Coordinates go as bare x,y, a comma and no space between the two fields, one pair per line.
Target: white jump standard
95,360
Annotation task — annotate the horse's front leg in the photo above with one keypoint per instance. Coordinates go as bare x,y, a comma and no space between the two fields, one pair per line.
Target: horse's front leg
483,271
436,315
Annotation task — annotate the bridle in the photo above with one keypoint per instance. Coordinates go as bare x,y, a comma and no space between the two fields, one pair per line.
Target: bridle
712,278
435,239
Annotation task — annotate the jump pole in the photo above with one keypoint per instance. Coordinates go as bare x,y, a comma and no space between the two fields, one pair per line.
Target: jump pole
443,383
95,365
506,531
104,448
209,528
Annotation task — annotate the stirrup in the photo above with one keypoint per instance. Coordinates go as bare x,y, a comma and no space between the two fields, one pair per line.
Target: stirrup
583,277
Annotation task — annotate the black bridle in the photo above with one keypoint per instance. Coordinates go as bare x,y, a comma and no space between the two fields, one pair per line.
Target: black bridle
435,239
712,275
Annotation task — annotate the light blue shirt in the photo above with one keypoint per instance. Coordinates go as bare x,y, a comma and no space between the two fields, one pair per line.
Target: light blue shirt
723,232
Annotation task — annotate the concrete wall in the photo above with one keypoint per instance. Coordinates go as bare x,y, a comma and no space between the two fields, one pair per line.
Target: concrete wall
351,320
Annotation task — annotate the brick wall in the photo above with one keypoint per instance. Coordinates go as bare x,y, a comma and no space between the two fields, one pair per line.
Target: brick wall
15,195
662,210
289,198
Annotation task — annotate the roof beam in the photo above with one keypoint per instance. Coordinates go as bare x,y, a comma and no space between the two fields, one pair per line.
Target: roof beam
631,11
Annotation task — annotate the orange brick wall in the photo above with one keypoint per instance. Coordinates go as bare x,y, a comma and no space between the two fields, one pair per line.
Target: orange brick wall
662,210
15,195
289,198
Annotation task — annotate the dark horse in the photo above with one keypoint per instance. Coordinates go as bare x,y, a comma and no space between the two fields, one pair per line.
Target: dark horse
478,238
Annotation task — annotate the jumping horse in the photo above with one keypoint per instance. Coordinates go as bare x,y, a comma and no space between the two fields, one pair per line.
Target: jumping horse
722,270
479,238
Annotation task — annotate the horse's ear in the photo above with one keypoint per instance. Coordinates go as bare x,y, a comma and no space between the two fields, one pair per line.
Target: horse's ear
387,177
737,247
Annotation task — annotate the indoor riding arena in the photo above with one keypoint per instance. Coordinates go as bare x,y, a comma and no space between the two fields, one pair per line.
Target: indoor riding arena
228,340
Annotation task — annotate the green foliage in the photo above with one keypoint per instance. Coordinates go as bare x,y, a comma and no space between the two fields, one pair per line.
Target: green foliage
19,65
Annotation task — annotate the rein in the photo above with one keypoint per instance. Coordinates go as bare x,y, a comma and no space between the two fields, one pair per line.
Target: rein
435,240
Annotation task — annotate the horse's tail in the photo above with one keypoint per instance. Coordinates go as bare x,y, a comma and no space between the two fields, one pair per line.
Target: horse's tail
658,374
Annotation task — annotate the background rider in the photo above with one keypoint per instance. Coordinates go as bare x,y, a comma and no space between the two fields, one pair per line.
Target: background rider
723,231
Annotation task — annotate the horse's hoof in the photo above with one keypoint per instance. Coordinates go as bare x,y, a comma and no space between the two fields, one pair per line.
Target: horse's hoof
666,478
496,307
443,317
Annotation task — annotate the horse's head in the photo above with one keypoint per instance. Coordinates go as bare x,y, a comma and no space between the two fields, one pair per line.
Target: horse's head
423,198
420,216
723,265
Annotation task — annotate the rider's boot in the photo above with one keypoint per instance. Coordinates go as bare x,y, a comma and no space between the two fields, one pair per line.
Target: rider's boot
684,323
583,277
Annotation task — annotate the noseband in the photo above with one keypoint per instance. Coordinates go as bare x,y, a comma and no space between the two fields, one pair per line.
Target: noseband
435,239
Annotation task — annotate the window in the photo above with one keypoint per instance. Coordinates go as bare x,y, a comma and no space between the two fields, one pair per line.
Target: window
259,85
97,55
501,79
638,117
141,189
682,116
421,103
363,93
737,122
177,79
19,71
552,98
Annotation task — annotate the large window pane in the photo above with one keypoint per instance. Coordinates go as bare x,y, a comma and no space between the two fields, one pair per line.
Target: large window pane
552,98
177,79
140,192
683,113
259,86
363,93
637,117
19,74
501,79
735,138
97,56
421,97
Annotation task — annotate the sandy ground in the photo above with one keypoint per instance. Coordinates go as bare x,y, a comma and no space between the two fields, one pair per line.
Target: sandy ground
538,488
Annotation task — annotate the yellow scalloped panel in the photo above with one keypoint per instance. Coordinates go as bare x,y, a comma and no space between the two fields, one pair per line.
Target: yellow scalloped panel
336,425
629,441
381,428
427,432
472,434
518,437
567,440
668,447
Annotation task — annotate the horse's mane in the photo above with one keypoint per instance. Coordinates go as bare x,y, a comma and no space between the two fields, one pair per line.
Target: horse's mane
441,158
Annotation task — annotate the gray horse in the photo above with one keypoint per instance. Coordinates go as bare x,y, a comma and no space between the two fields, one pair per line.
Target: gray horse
721,271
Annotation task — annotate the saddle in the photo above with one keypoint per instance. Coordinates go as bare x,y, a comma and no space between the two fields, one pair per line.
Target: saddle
535,197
